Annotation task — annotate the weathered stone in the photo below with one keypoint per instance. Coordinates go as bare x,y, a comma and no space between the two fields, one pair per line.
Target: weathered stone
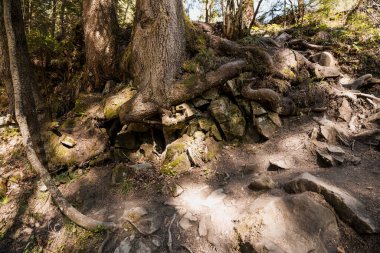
233,88
216,133
211,150
127,141
113,103
288,224
262,182
349,209
202,228
283,38
286,62
6,120
124,247
275,118
279,163
257,109
211,94
68,141
229,117
326,72
345,111
199,102
329,133
205,124
324,59
335,150
143,248
265,126
176,159
324,159
90,142
185,223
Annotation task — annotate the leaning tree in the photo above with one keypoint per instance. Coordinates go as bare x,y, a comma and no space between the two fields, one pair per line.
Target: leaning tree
15,50
100,31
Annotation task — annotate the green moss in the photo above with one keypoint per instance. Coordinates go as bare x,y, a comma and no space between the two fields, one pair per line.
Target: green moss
191,66
170,167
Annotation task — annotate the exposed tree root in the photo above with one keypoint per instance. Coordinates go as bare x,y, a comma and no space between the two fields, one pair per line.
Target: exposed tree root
303,44
277,103
138,110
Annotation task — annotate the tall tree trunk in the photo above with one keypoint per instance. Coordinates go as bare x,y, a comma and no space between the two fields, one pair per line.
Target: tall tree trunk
207,11
253,21
5,74
100,29
301,10
25,111
248,13
157,48
53,17
62,29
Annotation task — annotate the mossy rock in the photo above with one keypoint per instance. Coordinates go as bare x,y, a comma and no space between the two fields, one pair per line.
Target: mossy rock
113,103
229,118
176,160
89,143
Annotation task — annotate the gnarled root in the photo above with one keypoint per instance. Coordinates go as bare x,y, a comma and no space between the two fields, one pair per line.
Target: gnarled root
303,44
138,110
274,100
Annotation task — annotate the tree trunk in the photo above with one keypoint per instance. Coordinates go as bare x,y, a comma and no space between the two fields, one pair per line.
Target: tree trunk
301,10
100,29
157,48
25,108
5,74
207,11
248,13
253,21
53,17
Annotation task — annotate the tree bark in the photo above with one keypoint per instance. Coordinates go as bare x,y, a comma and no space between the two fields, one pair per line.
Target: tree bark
53,17
157,48
25,108
248,13
253,21
100,29
5,74
138,110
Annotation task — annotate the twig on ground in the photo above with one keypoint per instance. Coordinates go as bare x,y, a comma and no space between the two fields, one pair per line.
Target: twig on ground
101,248
170,239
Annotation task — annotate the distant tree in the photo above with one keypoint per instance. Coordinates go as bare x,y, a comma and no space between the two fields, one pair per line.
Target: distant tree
100,30
238,15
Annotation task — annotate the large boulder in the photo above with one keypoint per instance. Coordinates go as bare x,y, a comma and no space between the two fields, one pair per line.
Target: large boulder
114,102
297,224
189,151
78,140
229,117
349,209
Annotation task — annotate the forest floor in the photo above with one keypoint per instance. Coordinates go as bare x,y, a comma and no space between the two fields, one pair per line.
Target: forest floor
36,223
